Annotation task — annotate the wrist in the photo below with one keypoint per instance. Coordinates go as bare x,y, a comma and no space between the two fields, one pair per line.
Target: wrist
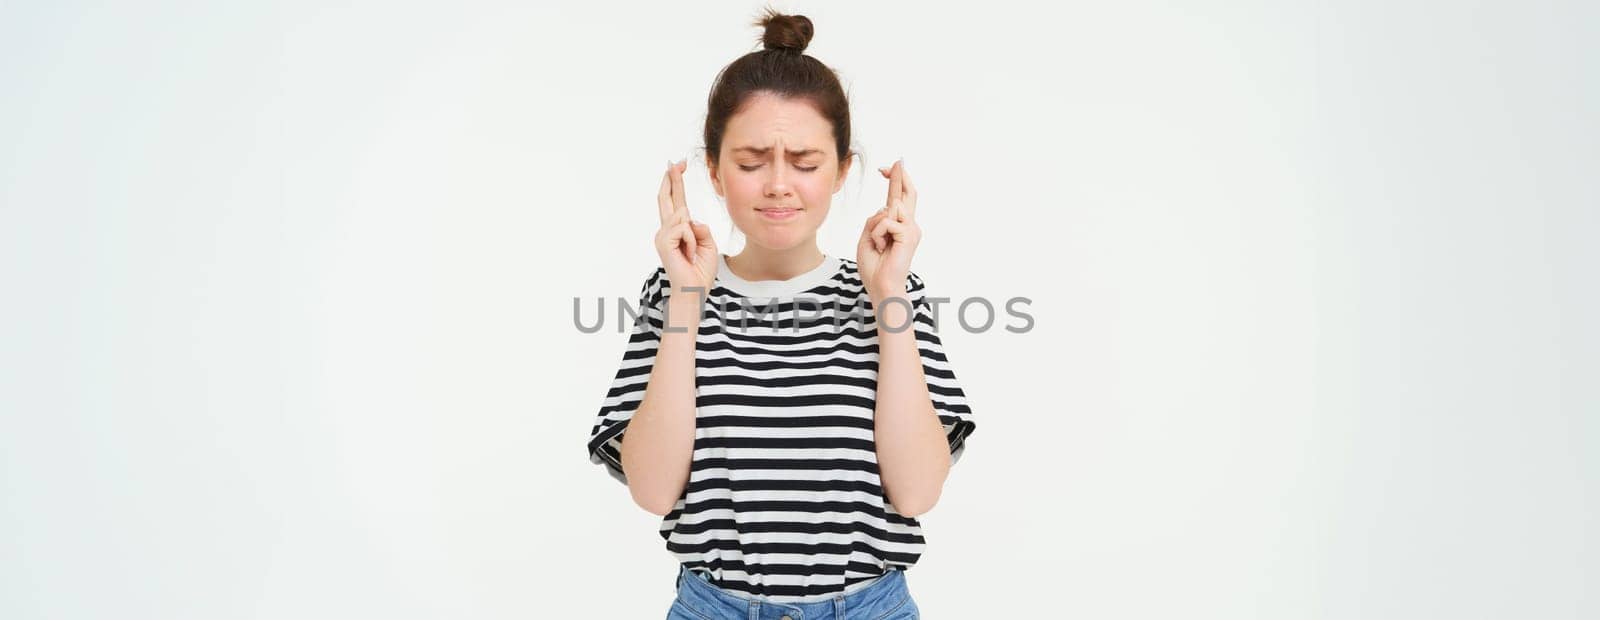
880,294
684,310
893,310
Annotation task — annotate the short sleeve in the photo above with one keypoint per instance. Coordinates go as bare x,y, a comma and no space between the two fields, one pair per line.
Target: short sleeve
633,374
949,400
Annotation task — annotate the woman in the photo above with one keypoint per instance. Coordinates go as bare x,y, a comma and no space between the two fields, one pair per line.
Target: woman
789,453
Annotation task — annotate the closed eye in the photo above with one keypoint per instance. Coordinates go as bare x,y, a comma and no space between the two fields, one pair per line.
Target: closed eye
755,167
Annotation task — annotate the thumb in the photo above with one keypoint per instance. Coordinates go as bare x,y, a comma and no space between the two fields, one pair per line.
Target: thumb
702,234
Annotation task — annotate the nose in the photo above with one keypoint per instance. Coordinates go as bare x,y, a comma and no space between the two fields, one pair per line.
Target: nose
778,182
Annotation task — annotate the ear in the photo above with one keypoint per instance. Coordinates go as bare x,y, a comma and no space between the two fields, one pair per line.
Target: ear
844,171
716,181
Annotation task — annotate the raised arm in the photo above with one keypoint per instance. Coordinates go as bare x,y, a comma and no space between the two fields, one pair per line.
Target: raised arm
913,452
659,441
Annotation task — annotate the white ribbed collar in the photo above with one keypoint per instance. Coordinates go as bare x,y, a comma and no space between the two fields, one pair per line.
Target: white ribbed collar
776,288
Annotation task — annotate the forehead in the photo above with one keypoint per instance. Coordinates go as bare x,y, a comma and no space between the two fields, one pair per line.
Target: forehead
767,119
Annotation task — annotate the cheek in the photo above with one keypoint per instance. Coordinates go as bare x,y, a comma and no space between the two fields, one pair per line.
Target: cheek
743,190
816,189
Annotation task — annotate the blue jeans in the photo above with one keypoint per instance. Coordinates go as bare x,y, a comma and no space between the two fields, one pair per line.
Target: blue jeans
886,598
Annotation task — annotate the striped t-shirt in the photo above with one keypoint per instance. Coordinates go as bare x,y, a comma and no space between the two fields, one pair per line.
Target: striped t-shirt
783,500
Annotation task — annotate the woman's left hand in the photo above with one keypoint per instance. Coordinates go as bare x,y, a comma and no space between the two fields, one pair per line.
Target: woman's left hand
883,254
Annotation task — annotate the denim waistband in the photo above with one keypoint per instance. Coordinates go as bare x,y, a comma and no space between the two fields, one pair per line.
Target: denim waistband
880,595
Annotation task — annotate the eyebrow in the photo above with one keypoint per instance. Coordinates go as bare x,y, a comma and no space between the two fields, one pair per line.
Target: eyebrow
764,150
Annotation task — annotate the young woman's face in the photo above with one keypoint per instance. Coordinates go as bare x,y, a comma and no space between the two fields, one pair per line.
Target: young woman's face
777,170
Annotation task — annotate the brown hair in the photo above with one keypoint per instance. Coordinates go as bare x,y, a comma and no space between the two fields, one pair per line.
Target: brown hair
783,69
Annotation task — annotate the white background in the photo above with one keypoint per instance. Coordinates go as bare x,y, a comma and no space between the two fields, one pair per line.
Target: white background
286,301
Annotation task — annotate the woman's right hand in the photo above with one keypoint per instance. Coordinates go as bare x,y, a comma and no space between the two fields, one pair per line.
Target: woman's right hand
687,250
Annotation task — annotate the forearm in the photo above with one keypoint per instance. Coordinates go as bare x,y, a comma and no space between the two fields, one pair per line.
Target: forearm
659,441
913,454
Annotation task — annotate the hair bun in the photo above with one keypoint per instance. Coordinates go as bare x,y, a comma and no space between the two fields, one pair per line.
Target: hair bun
785,32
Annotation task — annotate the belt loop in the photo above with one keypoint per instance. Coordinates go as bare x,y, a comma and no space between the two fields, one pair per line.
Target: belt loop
755,609
838,607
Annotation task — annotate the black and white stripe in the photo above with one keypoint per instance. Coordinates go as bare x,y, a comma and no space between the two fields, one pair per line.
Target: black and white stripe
784,500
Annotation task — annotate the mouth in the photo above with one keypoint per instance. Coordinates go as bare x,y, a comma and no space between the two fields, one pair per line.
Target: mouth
780,213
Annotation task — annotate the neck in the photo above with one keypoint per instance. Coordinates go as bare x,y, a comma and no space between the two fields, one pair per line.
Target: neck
757,263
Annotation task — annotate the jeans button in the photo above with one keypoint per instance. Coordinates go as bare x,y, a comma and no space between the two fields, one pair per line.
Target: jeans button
785,618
